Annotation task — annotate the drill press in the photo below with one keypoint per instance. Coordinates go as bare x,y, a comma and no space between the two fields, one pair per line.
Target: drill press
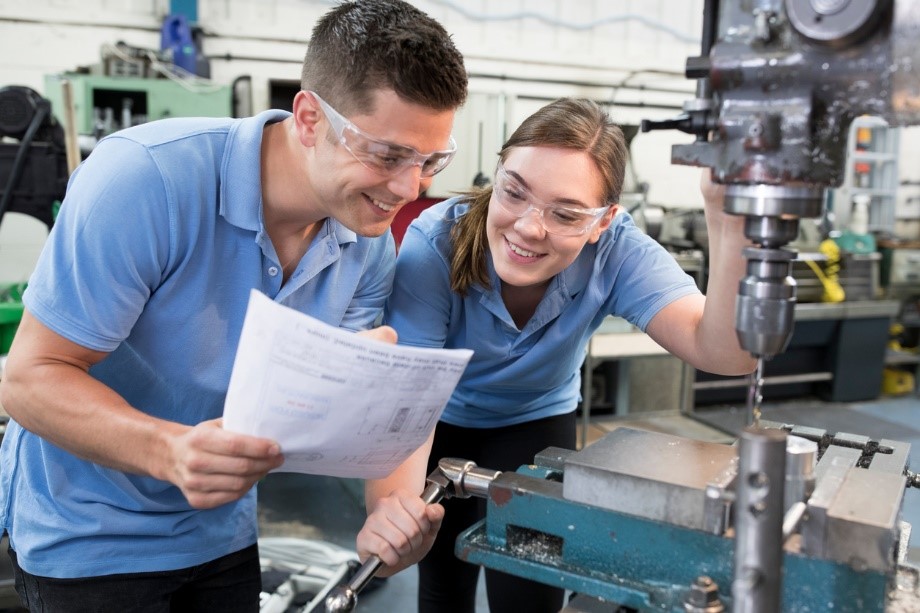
792,518
778,84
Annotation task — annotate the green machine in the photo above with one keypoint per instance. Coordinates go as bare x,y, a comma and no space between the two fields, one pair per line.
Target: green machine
104,104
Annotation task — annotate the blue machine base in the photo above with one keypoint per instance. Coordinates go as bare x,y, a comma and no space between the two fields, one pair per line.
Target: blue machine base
530,531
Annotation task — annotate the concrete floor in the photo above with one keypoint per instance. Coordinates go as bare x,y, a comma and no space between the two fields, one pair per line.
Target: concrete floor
332,510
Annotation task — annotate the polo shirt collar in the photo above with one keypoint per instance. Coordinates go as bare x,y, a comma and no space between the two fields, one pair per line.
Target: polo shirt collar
240,170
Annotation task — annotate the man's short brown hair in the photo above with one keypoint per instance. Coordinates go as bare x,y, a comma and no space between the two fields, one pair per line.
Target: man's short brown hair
363,46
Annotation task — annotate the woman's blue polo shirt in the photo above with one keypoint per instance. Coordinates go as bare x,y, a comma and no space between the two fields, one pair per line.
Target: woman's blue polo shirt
519,375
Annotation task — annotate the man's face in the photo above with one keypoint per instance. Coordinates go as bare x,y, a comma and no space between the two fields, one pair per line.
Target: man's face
353,177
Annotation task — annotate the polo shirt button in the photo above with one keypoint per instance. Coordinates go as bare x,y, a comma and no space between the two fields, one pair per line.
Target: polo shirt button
272,270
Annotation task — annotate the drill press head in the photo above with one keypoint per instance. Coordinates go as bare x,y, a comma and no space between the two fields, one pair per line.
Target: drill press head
778,84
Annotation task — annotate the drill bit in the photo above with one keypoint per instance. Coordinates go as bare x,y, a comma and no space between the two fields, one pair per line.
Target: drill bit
755,397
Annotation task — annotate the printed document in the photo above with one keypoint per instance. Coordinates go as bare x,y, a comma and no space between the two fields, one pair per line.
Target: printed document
338,404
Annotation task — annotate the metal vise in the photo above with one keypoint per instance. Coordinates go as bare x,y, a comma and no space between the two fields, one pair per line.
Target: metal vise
790,519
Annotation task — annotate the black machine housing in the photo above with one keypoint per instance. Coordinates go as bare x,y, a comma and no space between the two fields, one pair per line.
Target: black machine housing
33,159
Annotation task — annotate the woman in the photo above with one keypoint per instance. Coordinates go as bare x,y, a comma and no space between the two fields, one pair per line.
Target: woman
523,273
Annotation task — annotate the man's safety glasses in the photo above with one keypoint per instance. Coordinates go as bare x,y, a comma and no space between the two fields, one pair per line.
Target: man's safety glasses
516,199
381,156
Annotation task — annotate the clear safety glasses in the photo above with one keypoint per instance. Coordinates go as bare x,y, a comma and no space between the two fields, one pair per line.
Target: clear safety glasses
516,199
381,156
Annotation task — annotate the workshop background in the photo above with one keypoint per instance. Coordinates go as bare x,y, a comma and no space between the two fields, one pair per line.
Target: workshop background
851,366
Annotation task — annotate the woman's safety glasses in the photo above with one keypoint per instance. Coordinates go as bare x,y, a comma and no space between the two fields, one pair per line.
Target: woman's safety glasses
381,156
516,199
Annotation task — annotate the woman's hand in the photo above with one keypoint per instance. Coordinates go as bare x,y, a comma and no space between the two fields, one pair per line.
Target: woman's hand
400,531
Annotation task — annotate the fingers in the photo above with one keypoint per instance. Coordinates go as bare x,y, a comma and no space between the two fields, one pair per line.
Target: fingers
210,435
435,513
213,466
400,531
203,463
210,498
383,333
214,451
401,527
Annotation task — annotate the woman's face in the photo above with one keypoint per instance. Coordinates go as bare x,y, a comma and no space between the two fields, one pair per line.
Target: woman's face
523,252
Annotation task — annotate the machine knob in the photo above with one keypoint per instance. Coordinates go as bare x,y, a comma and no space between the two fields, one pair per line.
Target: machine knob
698,67
695,120
835,22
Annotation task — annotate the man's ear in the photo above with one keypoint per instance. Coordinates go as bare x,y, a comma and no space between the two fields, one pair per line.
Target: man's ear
307,114
604,223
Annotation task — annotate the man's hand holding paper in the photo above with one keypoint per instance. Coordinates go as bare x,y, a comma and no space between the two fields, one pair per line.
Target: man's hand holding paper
338,403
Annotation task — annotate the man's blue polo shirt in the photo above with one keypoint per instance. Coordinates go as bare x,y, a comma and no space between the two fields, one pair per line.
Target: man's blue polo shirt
516,375
158,243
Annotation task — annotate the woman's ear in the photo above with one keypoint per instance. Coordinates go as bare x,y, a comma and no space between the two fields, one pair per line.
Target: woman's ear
604,223
307,114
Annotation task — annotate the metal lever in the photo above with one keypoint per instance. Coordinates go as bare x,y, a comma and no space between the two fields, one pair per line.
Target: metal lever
453,478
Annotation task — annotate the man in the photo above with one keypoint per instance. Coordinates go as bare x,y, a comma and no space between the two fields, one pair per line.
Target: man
120,489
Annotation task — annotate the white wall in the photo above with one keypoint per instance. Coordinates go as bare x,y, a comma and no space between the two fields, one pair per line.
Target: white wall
907,210
520,53
588,47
